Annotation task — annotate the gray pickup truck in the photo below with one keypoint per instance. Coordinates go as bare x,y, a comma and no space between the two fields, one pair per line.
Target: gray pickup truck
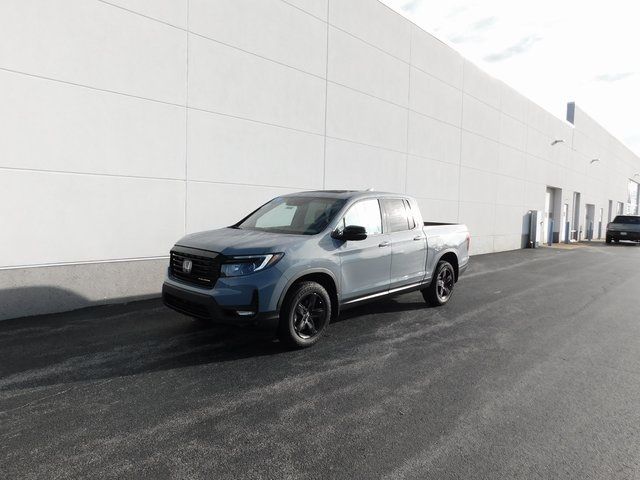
299,259
624,227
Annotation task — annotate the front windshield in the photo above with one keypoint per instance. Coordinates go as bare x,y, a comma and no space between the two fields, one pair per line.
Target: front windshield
298,215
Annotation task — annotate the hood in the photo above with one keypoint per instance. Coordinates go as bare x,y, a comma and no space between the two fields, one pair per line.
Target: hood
233,241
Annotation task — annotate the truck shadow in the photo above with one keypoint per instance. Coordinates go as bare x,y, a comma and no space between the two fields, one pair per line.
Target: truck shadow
142,337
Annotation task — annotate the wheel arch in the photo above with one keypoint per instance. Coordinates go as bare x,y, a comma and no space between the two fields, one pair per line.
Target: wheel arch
451,257
324,277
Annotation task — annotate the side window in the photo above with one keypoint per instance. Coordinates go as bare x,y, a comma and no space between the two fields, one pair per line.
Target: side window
397,218
365,213
411,217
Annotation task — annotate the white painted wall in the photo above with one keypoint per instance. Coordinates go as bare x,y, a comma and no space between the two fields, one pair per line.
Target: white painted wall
127,123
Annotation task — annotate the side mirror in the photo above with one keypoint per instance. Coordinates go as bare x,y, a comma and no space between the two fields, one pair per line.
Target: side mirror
352,232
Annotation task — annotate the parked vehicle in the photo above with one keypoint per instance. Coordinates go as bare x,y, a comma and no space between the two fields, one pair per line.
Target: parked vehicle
299,259
624,227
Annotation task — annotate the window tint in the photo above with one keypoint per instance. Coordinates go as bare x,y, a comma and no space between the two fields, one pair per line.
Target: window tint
396,214
410,216
365,213
280,216
297,215
625,219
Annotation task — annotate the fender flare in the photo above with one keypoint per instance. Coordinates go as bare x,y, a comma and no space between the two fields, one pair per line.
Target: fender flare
309,271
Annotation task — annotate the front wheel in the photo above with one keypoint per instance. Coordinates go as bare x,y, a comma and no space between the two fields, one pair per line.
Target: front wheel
441,288
305,315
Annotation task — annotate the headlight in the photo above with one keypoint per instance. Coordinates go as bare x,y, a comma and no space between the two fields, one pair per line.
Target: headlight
246,264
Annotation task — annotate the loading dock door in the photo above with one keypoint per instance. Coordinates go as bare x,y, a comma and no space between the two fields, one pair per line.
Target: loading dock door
564,231
590,221
548,214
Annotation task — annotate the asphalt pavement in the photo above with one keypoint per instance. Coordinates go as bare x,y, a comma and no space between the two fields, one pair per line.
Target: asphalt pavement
531,371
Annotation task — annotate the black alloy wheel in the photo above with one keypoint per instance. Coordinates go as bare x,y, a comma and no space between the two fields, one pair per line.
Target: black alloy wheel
305,314
441,288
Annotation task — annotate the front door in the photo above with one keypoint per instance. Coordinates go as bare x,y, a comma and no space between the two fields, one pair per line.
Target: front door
365,264
408,243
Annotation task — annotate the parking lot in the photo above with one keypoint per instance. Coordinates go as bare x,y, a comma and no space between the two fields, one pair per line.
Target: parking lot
531,371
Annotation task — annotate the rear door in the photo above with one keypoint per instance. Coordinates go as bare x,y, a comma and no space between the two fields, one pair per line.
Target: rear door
365,264
408,243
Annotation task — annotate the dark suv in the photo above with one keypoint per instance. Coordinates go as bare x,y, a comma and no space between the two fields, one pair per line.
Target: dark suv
624,227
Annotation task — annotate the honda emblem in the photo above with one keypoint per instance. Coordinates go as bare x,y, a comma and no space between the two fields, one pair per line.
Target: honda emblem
186,266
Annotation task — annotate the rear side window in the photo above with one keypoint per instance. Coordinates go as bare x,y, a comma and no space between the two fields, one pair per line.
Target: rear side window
410,216
365,213
396,213
626,219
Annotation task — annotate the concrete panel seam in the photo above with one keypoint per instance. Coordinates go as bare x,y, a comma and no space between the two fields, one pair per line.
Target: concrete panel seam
141,14
406,162
98,89
92,174
186,126
87,262
247,184
261,122
326,102
257,55
308,13
460,150
218,41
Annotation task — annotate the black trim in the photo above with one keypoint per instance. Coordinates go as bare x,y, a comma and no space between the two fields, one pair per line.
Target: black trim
462,269
205,267
631,236
382,294
204,306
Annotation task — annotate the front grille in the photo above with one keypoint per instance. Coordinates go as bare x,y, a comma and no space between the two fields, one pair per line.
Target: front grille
205,266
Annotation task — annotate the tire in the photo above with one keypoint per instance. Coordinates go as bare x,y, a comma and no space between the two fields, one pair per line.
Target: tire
608,239
441,288
305,315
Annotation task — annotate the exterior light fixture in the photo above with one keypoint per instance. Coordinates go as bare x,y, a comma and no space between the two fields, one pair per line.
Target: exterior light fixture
595,161
555,142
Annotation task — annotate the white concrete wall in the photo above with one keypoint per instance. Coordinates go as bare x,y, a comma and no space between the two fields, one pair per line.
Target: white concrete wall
127,123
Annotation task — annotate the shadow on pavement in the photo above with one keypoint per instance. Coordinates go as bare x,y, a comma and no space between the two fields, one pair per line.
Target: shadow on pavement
140,337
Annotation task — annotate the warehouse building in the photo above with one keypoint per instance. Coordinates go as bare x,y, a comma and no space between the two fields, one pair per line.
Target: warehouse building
127,124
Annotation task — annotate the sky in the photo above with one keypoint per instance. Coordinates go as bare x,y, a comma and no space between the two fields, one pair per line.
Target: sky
552,51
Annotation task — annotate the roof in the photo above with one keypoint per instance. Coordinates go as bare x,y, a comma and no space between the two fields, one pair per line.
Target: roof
343,194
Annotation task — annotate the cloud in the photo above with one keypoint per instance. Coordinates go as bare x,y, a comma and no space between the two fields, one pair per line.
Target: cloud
454,12
613,77
522,46
472,33
411,6
483,24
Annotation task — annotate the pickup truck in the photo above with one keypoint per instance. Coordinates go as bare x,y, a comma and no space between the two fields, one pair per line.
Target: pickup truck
299,259
624,227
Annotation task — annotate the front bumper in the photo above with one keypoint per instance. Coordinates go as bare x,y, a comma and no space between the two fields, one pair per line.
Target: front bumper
201,305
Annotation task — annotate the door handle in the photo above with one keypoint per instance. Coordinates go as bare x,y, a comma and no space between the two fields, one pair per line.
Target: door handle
384,244
418,238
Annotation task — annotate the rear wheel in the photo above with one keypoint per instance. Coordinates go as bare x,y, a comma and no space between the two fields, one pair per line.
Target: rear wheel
441,288
305,315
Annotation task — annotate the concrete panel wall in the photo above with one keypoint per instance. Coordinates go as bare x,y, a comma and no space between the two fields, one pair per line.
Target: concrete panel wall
127,124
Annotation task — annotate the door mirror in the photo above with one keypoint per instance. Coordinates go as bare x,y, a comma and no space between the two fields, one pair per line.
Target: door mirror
352,232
